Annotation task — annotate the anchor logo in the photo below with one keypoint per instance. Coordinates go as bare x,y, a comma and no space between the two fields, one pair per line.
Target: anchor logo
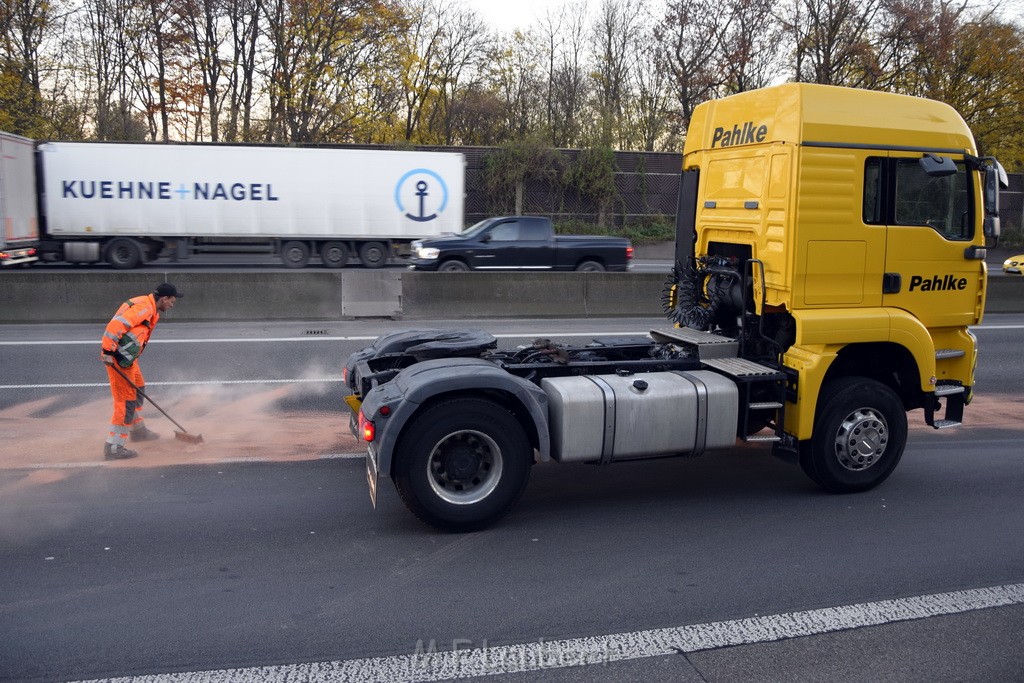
429,195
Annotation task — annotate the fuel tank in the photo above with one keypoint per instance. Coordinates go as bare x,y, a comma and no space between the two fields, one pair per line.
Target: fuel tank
614,417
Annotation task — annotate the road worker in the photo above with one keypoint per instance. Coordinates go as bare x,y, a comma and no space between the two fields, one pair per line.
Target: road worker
124,340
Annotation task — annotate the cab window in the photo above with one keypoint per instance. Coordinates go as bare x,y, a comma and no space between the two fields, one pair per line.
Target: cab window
897,191
942,204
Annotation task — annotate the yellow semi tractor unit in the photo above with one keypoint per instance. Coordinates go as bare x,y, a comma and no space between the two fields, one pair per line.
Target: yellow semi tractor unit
841,234
829,260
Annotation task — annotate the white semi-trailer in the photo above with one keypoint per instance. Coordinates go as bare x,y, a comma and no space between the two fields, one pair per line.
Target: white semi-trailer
19,231
127,204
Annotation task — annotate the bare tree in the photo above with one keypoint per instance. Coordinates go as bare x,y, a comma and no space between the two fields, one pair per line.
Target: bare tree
615,34
562,46
689,39
833,41
750,45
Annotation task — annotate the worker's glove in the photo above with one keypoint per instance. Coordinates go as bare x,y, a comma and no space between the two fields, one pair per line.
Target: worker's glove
107,358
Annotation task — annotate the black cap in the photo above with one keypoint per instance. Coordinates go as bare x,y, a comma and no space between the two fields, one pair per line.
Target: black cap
167,289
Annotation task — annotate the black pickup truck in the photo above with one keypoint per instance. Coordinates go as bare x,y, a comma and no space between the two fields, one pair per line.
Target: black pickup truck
520,243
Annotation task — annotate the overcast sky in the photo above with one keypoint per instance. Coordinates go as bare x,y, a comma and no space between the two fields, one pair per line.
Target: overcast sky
508,15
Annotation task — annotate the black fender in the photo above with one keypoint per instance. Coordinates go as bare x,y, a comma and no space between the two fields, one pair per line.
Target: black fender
416,385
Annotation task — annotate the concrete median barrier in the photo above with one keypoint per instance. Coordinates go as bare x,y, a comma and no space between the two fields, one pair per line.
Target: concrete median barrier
28,296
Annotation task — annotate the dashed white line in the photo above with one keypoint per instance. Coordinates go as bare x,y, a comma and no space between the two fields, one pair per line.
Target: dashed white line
426,665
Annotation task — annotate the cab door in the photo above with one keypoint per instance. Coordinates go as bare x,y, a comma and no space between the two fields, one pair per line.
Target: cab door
930,270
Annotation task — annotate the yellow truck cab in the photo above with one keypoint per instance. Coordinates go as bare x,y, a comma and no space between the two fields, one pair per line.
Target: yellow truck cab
842,233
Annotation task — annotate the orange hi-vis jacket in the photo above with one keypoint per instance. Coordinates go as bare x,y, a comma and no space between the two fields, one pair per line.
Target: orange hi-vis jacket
137,317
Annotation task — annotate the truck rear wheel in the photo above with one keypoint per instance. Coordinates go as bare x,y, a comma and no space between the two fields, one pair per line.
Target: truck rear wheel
590,267
859,435
462,464
334,254
373,254
295,254
123,253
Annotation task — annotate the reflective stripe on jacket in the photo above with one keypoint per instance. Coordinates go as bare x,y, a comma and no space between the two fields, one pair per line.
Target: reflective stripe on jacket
137,316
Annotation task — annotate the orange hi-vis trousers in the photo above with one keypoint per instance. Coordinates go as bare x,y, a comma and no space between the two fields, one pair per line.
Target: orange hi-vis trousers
127,403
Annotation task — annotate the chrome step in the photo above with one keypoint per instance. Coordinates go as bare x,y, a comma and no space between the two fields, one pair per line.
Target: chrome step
740,367
767,405
760,439
709,345
948,390
946,424
943,354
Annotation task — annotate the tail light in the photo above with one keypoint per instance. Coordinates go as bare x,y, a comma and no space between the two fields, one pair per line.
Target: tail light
629,253
344,376
366,428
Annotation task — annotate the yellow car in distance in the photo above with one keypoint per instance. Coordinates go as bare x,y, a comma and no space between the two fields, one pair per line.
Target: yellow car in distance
1014,265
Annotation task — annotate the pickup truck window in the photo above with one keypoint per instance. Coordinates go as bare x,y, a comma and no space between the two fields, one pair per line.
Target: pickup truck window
505,232
534,231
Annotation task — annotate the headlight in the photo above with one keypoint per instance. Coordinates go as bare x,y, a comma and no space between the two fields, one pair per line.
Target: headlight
1007,263
428,253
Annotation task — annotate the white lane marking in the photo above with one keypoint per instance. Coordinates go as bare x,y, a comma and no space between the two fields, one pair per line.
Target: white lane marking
186,383
426,665
258,340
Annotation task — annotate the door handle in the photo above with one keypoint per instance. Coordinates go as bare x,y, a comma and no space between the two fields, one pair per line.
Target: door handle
892,283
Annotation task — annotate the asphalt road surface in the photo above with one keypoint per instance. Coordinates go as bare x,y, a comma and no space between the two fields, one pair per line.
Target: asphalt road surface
257,556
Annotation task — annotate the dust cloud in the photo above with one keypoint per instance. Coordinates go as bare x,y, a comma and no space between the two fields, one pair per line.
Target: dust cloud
237,422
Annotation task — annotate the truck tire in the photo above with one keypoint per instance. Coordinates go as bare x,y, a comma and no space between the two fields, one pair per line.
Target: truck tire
295,254
453,266
373,255
334,254
859,435
462,464
123,253
590,267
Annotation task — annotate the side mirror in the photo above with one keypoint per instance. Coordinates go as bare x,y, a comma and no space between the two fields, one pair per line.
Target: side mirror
485,238
936,166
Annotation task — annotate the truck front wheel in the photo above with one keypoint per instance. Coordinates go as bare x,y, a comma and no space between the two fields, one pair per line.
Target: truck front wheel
859,435
462,464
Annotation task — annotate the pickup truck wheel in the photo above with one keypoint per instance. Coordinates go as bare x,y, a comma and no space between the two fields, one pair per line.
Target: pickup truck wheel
462,464
373,255
453,266
590,267
123,253
334,254
859,435
295,254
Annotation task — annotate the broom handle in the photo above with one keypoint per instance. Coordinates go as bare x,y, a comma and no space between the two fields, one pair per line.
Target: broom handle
143,394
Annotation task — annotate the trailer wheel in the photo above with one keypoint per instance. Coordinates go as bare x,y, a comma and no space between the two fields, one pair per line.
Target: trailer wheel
295,254
334,254
373,254
462,464
590,267
453,266
859,435
123,253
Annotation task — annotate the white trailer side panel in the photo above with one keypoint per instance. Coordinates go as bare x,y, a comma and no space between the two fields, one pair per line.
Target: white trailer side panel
18,209
159,190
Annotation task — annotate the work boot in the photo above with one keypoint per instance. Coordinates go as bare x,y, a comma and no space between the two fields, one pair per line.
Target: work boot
143,434
117,452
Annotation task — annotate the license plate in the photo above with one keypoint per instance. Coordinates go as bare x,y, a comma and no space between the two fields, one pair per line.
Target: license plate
371,474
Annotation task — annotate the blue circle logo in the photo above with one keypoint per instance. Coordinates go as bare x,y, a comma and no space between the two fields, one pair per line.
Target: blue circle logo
424,192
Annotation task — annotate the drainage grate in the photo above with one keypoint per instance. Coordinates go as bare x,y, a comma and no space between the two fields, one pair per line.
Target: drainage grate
316,332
